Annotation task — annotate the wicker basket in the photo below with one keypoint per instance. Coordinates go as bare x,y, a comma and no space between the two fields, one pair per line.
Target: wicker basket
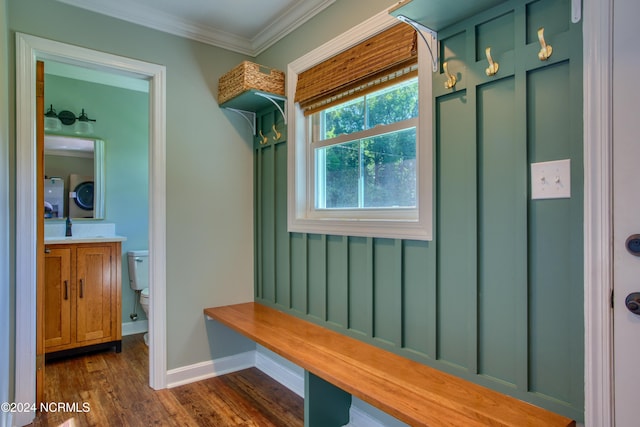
249,75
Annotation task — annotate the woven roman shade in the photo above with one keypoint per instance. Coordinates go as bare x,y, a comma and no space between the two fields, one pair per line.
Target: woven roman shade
384,57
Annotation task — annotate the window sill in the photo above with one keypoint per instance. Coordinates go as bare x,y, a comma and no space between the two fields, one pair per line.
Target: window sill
391,229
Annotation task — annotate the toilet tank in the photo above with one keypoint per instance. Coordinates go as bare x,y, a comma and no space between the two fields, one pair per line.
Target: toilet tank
138,269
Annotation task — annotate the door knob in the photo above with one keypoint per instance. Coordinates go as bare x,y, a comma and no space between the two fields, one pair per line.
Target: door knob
633,302
633,244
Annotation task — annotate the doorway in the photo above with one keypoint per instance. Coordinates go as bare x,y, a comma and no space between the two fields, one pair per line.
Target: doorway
30,49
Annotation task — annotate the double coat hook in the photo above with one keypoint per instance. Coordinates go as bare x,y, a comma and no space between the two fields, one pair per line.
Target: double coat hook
276,134
263,139
451,79
493,66
545,49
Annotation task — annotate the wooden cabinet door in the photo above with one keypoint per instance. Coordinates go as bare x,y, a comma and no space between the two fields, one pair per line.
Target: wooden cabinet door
93,293
57,297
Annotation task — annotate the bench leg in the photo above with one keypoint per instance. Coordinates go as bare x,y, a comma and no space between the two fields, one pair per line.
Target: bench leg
325,405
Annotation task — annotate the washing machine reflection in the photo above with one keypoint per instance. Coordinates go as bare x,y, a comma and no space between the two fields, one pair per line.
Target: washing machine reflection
80,196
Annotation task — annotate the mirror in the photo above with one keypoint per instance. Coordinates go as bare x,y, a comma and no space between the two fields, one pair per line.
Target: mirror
74,177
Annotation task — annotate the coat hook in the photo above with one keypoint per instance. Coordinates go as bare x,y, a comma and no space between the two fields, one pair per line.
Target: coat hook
263,139
493,66
276,134
451,79
545,49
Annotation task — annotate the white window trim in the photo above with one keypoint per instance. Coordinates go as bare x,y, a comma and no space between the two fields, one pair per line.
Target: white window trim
300,190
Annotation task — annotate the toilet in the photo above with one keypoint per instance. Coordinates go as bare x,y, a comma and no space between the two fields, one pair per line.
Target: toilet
139,279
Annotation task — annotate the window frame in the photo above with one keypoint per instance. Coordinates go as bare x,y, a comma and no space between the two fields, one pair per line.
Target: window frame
403,223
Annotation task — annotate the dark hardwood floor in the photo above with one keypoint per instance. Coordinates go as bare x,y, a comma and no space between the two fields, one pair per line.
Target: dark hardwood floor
114,388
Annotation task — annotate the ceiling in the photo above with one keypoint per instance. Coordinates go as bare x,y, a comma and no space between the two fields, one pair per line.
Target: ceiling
244,26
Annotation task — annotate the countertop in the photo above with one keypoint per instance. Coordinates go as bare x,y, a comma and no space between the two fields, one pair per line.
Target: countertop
83,239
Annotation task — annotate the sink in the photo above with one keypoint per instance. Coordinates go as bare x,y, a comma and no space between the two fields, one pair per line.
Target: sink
54,232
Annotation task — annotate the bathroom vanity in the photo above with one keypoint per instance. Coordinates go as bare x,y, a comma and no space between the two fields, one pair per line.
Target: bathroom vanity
82,294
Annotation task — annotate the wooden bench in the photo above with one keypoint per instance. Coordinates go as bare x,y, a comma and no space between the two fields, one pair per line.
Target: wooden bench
337,367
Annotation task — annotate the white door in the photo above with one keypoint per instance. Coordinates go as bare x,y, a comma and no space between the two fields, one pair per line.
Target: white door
626,181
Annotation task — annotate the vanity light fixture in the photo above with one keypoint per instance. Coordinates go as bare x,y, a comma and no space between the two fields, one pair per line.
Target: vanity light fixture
84,125
81,125
51,121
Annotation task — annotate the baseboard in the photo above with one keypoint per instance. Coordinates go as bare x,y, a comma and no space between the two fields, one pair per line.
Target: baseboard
213,368
361,413
137,327
359,418
5,419
270,365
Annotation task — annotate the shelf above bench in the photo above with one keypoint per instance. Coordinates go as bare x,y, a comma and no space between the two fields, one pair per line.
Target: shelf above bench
247,103
439,14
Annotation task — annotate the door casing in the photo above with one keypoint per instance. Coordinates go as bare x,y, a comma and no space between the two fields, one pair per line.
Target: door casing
598,257
29,49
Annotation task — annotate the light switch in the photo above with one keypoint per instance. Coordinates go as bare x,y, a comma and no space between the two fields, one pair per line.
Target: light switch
551,180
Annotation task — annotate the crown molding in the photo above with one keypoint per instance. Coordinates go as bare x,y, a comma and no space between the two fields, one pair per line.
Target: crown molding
291,19
148,17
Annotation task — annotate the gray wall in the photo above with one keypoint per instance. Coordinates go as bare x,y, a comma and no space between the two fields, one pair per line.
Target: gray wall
330,23
209,154
209,165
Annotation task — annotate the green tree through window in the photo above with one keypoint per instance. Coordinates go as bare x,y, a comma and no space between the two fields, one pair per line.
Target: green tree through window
376,170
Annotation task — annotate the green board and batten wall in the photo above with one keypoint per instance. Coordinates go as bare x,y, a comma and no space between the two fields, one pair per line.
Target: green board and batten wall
497,296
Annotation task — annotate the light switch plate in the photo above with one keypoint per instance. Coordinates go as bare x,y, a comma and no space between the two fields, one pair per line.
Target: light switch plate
551,180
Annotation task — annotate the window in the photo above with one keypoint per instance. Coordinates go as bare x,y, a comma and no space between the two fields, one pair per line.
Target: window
360,136
364,151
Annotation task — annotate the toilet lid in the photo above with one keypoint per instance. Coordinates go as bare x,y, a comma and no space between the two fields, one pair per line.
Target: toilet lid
145,292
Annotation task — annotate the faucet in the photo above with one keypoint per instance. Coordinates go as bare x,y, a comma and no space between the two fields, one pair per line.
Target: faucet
68,227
